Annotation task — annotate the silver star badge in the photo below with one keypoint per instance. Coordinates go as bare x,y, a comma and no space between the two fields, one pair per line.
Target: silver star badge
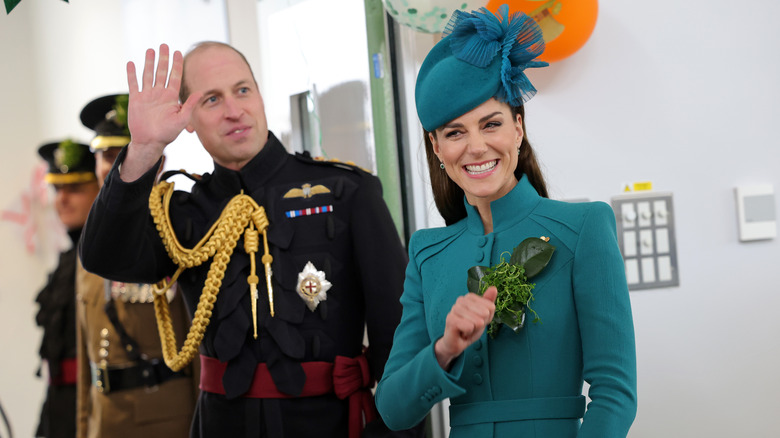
312,286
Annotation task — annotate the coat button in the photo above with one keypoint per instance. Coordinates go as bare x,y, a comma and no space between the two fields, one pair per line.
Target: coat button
478,344
480,256
481,241
477,379
478,361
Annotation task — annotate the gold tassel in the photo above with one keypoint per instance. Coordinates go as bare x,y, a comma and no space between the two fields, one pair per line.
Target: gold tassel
251,245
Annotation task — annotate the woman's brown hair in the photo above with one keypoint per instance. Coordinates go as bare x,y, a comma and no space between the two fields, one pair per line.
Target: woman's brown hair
449,196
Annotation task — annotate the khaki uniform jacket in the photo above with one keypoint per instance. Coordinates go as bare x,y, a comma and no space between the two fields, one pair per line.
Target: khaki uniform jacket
162,411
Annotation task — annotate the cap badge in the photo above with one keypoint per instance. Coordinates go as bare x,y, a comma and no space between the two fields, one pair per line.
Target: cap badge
306,191
312,286
67,155
118,113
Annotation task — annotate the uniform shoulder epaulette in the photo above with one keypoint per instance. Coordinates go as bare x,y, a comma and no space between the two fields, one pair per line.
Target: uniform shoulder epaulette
348,165
167,174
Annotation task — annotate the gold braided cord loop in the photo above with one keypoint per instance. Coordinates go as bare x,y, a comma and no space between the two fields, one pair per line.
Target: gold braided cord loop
219,243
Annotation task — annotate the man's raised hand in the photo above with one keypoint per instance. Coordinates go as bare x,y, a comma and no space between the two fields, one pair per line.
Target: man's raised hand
155,116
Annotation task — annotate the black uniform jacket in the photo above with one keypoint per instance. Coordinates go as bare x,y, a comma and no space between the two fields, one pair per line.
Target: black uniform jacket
355,244
57,317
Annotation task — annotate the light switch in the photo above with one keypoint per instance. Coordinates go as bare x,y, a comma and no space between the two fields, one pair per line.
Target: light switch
632,271
664,268
646,242
659,208
648,270
629,244
645,215
662,240
628,215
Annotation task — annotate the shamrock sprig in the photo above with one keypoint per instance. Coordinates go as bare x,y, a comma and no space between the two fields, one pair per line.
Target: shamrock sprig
67,155
511,280
120,111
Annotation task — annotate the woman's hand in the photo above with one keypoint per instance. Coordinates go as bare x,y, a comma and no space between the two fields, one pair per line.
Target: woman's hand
465,324
155,116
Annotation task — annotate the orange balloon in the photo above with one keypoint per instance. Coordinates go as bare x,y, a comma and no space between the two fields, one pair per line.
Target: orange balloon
566,24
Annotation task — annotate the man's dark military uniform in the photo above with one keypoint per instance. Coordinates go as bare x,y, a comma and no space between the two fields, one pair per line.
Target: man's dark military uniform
57,317
350,237
69,163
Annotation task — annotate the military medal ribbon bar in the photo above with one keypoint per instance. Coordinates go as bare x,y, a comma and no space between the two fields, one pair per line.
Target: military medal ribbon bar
309,211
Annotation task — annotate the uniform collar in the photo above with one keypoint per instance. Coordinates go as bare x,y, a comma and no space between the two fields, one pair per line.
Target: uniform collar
256,172
75,235
507,210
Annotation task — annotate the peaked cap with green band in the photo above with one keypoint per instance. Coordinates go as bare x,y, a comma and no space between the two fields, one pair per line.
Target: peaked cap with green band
107,116
69,162
482,55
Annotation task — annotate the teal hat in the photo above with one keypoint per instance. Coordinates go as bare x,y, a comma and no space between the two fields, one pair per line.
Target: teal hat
482,55
107,116
69,162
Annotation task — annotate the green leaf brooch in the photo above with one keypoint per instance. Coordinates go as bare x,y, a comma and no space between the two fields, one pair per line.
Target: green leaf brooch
511,279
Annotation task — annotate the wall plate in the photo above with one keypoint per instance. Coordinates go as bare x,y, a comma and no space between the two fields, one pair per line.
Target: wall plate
756,213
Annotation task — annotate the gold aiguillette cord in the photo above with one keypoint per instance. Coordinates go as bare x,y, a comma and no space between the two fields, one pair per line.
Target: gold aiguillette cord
252,245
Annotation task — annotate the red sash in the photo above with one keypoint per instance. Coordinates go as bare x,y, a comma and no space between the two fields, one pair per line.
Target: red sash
68,373
345,377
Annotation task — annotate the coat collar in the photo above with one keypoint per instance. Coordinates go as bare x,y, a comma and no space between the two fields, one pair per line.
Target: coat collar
507,210
255,173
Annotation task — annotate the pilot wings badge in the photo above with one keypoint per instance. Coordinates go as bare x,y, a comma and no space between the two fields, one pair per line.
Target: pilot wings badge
306,191
312,286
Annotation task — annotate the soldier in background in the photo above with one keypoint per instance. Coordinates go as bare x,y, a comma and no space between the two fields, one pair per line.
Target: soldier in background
124,387
72,173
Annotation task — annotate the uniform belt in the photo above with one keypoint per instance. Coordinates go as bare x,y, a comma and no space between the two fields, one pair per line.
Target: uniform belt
67,375
147,373
345,377
495,411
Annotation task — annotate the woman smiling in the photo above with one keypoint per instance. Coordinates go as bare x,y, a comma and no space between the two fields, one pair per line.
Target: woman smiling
526,380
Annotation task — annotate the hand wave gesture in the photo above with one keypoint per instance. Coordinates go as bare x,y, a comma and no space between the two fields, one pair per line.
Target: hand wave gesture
155,116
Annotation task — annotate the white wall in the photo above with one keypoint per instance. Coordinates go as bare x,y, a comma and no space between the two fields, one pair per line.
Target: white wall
683,94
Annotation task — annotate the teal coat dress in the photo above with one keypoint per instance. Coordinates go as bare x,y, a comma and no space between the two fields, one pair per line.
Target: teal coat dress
528,384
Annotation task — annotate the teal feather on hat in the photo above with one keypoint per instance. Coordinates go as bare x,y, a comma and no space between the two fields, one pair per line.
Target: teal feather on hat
482,55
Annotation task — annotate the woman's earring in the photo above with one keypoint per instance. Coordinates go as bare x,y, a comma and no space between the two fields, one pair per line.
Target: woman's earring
518,150
442,165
